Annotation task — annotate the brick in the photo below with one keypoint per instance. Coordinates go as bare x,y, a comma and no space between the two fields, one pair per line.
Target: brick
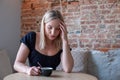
72,40
102,7
105,11
110,1
106,46
93,36
92,26
96,45
86,2
103,49
83,36
84,41
118,41
73,45
116,11
88,46
88,7
74,3
116,46
26,5
110,21
27,0
111,16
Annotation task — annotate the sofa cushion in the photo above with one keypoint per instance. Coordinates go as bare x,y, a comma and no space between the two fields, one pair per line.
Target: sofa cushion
80,60
114,64
5,66
104,65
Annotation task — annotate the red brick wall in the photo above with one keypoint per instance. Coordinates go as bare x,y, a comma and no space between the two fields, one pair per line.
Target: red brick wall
92,24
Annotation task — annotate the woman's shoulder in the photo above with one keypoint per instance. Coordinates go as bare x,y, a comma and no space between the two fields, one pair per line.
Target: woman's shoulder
30,36
29,39
31,33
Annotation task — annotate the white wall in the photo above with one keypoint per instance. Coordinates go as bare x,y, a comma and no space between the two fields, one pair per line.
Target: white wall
10,12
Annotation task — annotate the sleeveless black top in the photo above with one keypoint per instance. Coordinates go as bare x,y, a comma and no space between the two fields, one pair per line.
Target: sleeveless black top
35,57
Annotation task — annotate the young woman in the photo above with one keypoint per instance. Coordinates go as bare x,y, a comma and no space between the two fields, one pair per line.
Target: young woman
47,47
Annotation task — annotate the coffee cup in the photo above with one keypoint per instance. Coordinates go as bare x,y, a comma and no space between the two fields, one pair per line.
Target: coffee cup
46,71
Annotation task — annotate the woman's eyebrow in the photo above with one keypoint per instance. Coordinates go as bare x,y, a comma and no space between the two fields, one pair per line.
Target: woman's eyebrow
50,25
54,26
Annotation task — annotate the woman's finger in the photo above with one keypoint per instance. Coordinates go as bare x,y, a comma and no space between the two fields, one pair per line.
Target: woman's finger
35,71
63,28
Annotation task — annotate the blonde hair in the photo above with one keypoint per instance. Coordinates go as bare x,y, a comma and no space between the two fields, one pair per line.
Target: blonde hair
50,15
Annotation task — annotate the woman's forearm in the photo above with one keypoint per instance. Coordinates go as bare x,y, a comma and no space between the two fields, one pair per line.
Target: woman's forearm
21,67
67,59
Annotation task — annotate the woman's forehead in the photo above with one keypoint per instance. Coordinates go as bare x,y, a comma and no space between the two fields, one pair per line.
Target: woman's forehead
54,23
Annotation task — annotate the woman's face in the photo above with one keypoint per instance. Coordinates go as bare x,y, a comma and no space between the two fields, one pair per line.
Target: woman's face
52,29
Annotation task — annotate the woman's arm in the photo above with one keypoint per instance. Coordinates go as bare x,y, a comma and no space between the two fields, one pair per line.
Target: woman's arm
66,57
21,57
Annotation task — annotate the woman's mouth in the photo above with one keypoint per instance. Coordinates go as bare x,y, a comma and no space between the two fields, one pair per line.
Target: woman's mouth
53,36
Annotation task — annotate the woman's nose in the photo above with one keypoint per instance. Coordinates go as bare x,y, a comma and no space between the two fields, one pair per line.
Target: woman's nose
53,31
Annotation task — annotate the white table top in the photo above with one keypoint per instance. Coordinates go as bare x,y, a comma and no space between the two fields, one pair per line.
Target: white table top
56,75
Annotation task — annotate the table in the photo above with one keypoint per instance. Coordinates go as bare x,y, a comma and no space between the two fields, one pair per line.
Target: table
56,75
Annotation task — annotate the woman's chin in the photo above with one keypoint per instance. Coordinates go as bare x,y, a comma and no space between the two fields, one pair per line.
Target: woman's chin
51,39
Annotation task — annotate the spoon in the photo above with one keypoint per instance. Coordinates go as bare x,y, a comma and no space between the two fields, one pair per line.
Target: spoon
39,64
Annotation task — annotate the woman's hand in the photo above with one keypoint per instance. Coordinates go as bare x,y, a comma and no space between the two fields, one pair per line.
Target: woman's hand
33,71
63,31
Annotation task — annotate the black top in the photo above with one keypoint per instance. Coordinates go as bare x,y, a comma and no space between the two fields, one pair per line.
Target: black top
34,56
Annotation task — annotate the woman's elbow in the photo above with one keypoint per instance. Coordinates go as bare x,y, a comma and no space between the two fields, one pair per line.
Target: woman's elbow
14,66
68,70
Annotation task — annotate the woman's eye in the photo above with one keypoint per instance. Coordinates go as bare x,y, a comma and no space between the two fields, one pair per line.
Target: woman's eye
49,27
